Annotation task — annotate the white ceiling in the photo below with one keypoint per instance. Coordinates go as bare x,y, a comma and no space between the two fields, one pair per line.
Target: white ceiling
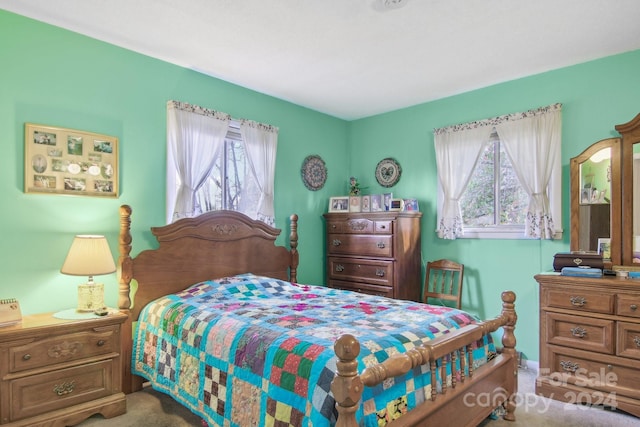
350,58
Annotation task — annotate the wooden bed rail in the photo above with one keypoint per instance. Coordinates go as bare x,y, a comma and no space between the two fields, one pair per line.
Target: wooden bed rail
348,386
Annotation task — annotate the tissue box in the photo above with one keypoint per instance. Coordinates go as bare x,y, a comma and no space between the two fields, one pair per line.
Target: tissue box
577,259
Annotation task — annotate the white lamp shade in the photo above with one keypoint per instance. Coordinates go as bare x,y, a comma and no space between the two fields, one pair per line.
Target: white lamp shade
89,255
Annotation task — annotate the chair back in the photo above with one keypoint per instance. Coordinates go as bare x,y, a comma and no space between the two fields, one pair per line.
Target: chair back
443,282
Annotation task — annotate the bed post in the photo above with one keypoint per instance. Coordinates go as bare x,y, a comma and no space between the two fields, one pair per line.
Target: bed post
347,386
124,260
293,242
509,348
124,299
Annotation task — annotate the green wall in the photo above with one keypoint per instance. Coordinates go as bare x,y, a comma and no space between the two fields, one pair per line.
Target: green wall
595,96
55,77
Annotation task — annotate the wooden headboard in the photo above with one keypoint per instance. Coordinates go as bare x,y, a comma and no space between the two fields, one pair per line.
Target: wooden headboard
212,245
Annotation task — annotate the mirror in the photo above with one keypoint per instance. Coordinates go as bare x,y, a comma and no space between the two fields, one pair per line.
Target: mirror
596,201
630,133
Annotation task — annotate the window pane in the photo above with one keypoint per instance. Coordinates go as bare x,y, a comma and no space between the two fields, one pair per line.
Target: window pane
513,198
477,202
494,187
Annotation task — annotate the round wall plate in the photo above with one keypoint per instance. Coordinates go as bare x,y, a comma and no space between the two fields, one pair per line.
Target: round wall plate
388,172
314,172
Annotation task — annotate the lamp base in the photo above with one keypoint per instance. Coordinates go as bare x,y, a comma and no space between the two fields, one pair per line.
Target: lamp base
90,297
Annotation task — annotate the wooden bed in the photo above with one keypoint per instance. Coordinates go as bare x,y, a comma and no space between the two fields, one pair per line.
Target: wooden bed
224,243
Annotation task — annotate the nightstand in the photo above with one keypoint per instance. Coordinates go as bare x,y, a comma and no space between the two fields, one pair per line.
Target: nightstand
56,372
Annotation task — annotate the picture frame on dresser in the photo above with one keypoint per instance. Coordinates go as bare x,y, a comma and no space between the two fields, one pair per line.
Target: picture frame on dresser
376,203
70,161
339,204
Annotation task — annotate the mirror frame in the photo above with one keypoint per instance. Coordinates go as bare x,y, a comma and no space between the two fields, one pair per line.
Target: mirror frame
616,196
630,133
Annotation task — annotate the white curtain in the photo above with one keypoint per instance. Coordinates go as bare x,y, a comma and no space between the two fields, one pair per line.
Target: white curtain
457,152
532,142
261,142
195,138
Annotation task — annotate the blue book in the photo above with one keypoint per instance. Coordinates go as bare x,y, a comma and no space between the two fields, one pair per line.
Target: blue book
581,272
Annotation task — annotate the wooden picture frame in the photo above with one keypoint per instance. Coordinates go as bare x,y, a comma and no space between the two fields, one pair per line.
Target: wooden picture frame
339,204
69,161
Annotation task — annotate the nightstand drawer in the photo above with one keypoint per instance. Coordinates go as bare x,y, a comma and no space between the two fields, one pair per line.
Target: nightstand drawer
628,305
581,332
361,245
38,394
361,270
579,300
628,340
63,348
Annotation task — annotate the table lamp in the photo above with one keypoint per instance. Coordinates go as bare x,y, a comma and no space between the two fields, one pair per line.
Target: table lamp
89,255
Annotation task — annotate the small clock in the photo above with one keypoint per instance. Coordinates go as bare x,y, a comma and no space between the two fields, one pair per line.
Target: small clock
388,172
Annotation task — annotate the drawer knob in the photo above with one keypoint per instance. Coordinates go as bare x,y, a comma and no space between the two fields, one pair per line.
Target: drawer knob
633,307
336,242
381,245
101,343
383,227
26,357
578,301
579,332
339,268
636,341
379,272
569,366
64,388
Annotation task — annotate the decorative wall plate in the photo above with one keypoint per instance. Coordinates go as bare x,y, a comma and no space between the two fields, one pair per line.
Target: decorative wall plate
388,172
314,172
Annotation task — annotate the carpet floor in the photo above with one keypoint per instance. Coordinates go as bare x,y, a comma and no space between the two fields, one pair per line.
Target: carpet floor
152,408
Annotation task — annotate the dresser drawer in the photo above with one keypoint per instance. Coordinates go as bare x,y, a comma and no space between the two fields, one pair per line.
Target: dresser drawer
628,340
63,348
361,245
361,270
578,300
581,332
46,392
601,372
360,226
628,305
364,288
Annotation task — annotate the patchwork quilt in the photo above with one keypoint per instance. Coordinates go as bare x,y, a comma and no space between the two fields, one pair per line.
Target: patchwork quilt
256,351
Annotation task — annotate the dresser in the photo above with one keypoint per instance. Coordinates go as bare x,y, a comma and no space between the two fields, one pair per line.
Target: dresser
590,341
375,253
57,372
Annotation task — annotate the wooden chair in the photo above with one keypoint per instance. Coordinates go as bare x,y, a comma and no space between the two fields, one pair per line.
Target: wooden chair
443,281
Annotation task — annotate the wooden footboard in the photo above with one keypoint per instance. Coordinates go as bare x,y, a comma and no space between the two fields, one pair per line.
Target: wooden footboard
496,381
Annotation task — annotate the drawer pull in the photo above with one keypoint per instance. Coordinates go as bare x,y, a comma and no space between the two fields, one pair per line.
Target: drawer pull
636,341
579,332
633,307
339,268
336,242
101,343
383,227
578,301
379,272
569,366
26,357
381,245
64,388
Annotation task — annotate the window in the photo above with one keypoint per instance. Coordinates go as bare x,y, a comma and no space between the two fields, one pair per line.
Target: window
494,197
501,177
214,162
230,178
